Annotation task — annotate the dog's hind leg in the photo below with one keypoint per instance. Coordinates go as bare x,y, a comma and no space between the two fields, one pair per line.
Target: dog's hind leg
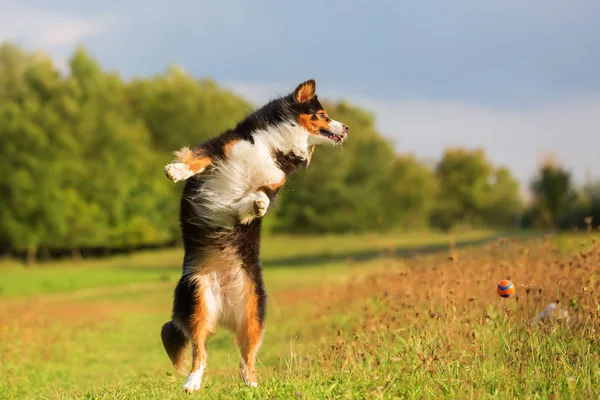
251,329
202,325
194,316
199,357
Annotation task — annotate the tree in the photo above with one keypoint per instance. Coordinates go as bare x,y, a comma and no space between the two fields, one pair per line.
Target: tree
411,192
593,192
116,148
586,205
464,184
35,143
179,110
554,194
13,64
503,203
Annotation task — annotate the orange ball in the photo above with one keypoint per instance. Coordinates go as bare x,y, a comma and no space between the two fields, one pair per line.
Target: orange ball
505,288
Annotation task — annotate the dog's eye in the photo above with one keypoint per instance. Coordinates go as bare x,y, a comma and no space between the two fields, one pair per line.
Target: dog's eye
322,115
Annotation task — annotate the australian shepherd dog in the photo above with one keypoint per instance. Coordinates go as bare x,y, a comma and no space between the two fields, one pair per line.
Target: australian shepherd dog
231,180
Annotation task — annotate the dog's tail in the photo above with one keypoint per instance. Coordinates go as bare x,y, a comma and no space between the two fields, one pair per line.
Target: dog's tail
175,344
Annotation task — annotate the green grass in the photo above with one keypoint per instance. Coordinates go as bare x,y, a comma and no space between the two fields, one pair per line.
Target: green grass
165,265
336,330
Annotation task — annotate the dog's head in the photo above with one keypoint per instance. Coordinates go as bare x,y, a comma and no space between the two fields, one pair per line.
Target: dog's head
311,116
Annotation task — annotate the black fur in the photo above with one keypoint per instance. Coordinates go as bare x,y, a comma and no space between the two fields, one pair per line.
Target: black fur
175,344
275,112
288,162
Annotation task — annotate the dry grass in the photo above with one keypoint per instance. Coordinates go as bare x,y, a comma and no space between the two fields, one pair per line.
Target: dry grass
438,321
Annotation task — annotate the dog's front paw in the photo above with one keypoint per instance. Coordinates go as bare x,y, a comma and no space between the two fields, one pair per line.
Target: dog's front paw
253,206
261,206
178,172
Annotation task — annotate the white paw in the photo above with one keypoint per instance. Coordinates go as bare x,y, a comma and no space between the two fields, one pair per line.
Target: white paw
253,206
193,381
191,387
260,206
249,379
178,172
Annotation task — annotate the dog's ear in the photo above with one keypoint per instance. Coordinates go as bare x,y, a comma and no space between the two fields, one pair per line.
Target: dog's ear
305,91
310,153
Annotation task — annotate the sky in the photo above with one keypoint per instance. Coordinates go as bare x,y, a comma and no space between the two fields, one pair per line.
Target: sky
518,78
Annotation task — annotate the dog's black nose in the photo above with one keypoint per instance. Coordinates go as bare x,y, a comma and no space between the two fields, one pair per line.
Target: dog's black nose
346,128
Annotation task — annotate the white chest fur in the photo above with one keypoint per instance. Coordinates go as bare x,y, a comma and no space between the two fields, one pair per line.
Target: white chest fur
248,167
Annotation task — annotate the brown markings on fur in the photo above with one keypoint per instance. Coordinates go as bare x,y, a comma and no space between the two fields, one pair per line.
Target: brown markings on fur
228,146
313,125
249,334
269,189
216,260
195,160
202,325
306,91
322,114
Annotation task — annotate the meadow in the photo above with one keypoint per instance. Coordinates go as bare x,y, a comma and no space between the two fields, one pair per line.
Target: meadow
363,316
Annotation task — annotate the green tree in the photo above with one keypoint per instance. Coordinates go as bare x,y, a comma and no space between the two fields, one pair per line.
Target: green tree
34,145
593,192
411,192
586,205
504,202
13,65
179,110
464,179
116,148
554,195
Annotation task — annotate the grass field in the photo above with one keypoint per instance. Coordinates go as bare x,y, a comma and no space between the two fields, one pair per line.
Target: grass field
364,316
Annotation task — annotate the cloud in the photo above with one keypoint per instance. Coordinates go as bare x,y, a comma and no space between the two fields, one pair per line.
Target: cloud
60,34
258,93
42,29
514,138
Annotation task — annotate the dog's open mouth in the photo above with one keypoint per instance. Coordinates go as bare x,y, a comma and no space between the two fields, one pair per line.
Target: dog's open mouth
332,136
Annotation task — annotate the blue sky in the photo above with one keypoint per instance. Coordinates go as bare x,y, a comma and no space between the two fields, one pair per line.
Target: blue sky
517,77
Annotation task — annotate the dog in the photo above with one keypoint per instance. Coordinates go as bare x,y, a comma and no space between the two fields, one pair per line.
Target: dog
231,182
